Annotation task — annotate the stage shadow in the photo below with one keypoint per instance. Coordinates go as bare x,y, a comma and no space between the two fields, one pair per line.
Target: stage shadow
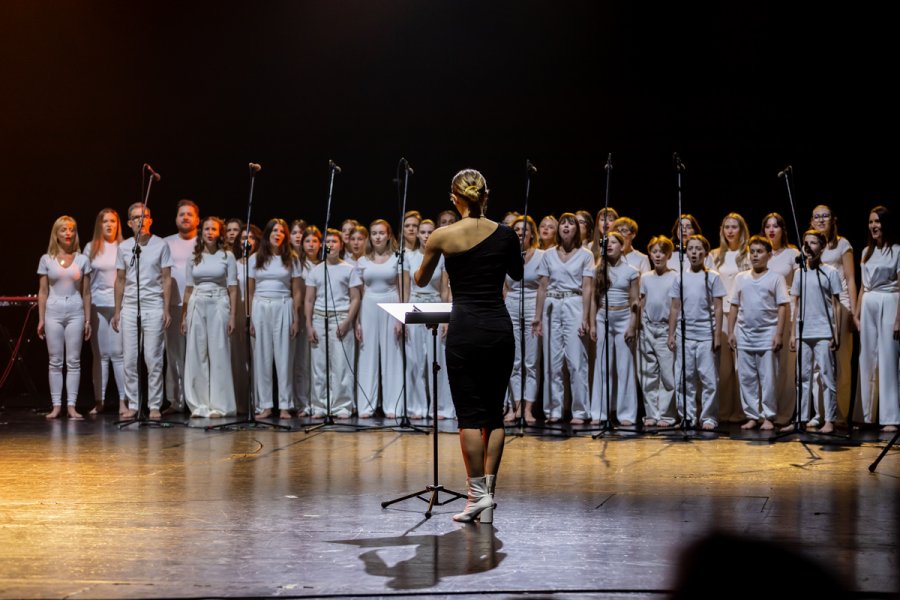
468,550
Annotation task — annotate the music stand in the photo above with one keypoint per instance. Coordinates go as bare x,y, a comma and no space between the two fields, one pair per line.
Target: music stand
430,314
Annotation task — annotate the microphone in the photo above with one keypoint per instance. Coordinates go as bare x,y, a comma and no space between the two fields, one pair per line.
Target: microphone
255,168
529,166
608,165
679,166
405,164
333,166
787,169
153,173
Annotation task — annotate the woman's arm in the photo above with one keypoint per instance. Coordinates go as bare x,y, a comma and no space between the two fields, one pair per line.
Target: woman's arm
43,293
86,299
188,290
536,327
634,302
432,255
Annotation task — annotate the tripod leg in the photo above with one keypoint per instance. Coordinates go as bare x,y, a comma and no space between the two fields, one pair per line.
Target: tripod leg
890,444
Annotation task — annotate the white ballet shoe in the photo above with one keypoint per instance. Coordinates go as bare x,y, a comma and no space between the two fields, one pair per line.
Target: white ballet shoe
478,500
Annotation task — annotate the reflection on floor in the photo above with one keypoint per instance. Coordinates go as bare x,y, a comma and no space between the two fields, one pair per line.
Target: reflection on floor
90,510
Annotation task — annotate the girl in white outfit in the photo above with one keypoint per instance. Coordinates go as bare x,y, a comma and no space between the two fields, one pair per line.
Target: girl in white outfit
377,331
336,283
783,262
817,299
240,354
616,283
64,305
302,361
697,309
547,232
106,343
682,229
274,292
525,229
656,362
878,319
628,227
759,303
838,253
419,342
729,259
562,310
208,319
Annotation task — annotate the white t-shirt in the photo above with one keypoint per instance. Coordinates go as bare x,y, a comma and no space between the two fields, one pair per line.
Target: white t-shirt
103,274
273,280
379,278
758,299
655,292
341,277
879,273
727,271
620,278
531,279
154,258
217,270
834,257
638,260
700,290
784,263
64,281
432,291
182,252
819,287
566,276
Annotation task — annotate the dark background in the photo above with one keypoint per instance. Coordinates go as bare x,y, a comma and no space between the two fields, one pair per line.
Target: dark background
92,90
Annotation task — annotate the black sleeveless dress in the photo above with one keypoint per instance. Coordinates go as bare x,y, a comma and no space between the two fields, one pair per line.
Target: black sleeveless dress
480,343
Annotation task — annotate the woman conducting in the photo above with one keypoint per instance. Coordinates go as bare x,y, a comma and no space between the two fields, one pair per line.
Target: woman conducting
478,254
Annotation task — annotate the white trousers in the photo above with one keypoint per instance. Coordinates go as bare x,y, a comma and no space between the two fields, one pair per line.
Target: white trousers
64,332
154,349
272,319
209,385
418,367
106,345
563,346
657,371
532,350
757,372
622,395
699,366
175,361
878,358
380,358
303,371
817,380
337,369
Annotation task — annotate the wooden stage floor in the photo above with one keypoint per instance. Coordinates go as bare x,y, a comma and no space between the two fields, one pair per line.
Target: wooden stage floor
91,511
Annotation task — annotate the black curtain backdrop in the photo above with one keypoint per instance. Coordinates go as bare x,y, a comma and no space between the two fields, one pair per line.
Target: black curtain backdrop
93,89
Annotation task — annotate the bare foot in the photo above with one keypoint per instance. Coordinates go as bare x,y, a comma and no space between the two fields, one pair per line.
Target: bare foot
889,429
649,422
664,424
510,417
529,418
751,424
708,425
828,427
786,428
128,413
54,414
123,408
155,415
767,425
98,408
264,414
74,414
285,414
216,415
576,422
626,423
390,416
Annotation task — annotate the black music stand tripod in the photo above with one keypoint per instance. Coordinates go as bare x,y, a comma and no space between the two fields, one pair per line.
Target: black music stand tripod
433,316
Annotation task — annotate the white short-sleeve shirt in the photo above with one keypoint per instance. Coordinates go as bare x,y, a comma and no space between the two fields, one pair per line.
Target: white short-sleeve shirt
182,252
154,258
655,292
531,279
103,273
638,260
432,290
217,270
620,278
701,288
879,273
379,278
566,276
273,280
819,287
758,299
341,277
64,280
834,257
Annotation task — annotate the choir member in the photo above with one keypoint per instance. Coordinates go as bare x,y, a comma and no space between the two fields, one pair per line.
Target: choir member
240,355
656,362
155,265
878,320
333,290
64,312
547,232
181,248
378,332
357,247
628,228
616,292
562,311
233,229
410,229
274,292
106,344
683,228
585,227
447,217
208,318
302,370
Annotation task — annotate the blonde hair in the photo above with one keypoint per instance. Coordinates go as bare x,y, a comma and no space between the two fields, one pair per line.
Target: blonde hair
392,243
97,242
470,186
664,243
529,227
743,247
53,247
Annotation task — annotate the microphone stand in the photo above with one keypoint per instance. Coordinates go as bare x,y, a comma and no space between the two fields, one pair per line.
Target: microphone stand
328,420
520,423
799,430
607,428
250,422
141,418
405,423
